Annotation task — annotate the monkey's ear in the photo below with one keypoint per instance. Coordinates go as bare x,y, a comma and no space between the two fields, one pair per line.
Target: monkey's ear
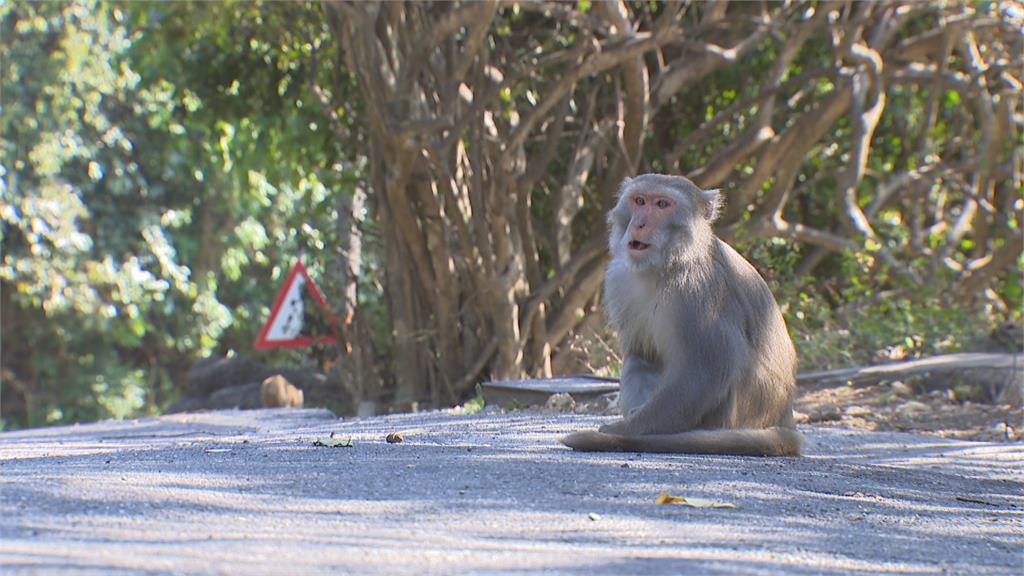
711,201
622,188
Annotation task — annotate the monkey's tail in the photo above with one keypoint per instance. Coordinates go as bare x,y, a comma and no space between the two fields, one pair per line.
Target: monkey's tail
777,441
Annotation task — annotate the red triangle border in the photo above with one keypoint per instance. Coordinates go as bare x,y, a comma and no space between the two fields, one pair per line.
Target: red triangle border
262,343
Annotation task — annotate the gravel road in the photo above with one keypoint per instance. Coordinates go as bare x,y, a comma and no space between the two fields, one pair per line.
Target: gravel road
247,492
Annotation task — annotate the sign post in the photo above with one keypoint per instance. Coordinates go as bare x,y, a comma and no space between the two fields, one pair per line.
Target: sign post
294,319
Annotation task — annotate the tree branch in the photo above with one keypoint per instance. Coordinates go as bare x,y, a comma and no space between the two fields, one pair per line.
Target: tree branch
605,56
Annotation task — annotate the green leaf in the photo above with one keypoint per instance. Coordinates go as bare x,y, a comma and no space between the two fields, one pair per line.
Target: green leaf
332,442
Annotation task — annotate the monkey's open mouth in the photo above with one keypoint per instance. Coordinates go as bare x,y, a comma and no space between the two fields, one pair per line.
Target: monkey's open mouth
638,245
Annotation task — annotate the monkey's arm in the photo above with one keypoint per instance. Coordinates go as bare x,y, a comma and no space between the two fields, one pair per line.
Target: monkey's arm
694,383
640,378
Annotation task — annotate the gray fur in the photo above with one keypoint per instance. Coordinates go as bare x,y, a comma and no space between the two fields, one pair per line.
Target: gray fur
704,343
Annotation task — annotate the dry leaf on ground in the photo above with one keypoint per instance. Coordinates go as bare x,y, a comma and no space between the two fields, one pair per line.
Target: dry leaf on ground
665,498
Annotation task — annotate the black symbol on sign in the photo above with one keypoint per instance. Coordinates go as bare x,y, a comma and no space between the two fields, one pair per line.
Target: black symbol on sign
294,309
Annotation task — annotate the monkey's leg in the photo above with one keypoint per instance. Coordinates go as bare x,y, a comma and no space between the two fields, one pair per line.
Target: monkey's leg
638,382
707,372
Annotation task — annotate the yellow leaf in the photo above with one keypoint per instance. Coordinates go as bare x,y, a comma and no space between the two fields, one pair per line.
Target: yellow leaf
664,498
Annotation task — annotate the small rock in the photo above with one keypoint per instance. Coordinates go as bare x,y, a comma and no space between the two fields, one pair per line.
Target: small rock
825,414
890,354
561,402
1004,431
913,408
603,404
901,389
277,392
858,411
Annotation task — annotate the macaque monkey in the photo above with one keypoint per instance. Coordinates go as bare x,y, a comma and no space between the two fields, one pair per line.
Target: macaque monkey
708,365
278,392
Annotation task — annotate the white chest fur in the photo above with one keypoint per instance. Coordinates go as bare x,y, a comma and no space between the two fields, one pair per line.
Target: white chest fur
636,307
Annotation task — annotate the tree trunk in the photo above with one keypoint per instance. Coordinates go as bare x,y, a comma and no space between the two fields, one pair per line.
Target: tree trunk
499,135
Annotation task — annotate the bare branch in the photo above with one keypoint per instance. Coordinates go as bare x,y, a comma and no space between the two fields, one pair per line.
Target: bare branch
569,312
469,379
688,69
477,32
888,189
718,168
605,56
866,87
829,241
785,154
634,108
980,272
705,129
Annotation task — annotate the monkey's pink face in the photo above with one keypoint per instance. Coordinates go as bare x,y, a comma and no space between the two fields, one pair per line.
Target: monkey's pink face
649,213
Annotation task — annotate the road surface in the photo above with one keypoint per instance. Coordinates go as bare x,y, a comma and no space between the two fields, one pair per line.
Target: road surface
247,492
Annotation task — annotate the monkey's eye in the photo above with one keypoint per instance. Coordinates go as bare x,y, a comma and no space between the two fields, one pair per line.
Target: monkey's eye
639,201
662,203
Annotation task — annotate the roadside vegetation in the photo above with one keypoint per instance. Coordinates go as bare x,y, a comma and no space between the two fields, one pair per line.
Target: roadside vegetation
443,170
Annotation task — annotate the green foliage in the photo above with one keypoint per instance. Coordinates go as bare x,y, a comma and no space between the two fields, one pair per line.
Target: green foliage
154,192
845,319
162,166
907,326
474,405
83,270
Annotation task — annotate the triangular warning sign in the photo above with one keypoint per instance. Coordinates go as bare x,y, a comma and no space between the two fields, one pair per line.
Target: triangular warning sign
295,321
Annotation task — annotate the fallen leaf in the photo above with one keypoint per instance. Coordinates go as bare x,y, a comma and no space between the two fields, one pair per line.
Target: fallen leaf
332,442
664,498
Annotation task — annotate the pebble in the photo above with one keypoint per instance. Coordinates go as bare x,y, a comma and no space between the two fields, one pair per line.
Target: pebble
858,411
1004,431
901,389
561,402
913,407
825,414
